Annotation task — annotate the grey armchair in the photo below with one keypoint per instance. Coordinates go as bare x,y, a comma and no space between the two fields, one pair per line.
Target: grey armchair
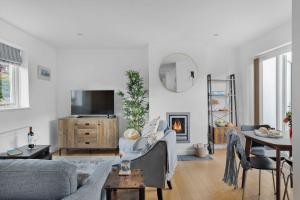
158,163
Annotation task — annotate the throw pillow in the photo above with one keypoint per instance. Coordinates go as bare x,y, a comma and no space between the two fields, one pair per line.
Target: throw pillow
131,134
151,127
154,137
141,144
82,178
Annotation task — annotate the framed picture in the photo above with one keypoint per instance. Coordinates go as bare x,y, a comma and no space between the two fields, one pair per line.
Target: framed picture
44,73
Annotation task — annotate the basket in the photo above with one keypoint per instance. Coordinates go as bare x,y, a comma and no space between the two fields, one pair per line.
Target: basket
200,150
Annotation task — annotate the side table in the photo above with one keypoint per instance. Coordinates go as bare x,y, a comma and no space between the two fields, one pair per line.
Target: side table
38,152
125,187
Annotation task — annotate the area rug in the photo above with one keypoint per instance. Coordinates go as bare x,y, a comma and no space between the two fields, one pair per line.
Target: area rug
192,157
88,164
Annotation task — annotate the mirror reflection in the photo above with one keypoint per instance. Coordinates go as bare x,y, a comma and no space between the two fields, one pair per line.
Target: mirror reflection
178,72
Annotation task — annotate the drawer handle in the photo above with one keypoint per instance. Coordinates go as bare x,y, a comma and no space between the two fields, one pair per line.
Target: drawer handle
87,142
87,133
87,124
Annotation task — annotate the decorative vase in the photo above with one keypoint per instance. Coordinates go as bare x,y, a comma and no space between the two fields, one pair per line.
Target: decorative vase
291,132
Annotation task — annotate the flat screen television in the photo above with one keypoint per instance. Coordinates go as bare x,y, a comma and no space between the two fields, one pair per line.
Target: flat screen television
92,102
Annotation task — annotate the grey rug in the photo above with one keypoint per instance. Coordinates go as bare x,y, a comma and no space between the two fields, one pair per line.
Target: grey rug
192,157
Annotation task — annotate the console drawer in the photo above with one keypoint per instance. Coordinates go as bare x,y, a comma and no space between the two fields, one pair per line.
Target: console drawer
87,142
86,123
87,133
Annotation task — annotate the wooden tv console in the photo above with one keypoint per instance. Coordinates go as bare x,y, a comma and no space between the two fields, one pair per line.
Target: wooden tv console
88,133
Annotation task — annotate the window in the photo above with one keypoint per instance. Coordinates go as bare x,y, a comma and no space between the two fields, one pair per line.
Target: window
14,92
275,87
7,85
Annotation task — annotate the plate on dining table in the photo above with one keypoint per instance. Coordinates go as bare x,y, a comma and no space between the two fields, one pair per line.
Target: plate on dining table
269,134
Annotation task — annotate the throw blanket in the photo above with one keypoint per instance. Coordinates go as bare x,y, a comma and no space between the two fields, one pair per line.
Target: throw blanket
234,146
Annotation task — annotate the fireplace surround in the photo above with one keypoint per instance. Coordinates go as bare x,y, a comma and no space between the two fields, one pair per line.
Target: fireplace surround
180,123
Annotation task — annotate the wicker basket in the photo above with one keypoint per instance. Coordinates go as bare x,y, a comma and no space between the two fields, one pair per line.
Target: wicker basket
200,150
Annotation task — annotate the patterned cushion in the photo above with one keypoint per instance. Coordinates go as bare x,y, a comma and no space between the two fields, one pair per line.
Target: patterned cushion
154,137
151,127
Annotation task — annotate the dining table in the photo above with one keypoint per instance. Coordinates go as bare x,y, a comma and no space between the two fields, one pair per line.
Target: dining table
279,144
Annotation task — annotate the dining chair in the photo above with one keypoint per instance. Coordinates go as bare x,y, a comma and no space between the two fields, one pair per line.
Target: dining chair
256,148
256,162
289,177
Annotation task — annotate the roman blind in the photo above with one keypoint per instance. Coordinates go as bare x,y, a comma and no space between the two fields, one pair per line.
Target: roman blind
10,54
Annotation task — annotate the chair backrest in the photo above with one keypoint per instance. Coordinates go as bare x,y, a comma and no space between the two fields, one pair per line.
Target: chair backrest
252,128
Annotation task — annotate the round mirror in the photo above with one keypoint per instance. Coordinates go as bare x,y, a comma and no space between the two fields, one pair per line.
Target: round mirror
178,72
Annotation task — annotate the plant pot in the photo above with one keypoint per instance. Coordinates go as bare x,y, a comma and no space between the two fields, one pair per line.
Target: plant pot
291,132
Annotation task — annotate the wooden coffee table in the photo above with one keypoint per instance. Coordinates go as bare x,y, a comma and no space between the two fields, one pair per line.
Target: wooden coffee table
125,187
38,152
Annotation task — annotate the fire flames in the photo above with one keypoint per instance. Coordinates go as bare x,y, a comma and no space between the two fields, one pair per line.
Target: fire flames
177,126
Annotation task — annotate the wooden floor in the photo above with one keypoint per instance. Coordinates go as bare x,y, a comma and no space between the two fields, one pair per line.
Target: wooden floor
202,180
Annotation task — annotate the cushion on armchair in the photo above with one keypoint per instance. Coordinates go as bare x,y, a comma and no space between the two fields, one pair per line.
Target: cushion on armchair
151,127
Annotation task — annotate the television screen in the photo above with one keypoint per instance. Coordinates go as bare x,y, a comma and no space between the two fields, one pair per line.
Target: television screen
92,102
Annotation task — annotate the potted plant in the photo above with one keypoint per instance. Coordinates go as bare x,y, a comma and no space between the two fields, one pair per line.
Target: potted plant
135,105
288,120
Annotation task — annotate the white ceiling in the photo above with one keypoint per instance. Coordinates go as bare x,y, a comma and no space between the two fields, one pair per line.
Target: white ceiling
127,23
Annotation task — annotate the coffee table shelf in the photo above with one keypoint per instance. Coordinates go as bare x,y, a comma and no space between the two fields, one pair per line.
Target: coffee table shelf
125,187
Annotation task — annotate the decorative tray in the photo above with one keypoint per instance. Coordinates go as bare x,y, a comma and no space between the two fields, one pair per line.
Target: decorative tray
270,134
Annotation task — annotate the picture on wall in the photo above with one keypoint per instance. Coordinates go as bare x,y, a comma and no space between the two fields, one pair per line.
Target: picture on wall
44,73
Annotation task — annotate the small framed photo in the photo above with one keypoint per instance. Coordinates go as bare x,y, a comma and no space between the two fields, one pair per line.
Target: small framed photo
44,73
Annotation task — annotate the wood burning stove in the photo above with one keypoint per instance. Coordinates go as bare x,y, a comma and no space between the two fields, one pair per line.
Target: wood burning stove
180,123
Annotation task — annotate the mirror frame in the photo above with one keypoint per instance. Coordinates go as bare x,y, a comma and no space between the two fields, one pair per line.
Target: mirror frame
193,61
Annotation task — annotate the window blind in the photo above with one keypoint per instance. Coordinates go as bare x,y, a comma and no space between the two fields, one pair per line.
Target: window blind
10,54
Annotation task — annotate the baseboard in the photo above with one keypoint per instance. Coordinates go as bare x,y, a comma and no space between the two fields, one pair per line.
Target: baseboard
185,152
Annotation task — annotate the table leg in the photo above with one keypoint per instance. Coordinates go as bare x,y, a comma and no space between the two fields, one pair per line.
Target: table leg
247,153
278,161
142,193
108,193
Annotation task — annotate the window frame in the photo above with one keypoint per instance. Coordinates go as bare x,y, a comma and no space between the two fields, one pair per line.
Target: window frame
14,86
281,83
22,99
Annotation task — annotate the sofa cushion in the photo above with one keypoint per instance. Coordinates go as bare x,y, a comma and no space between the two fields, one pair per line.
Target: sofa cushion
141,145
33,179
162,126
82,178
151,127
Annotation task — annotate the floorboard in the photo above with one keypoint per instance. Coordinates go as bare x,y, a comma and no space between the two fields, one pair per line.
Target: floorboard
202,180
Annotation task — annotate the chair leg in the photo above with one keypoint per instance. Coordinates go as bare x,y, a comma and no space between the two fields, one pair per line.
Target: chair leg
244,188
273,182
292,182
169,185
286,184
237,176
159,194
259,182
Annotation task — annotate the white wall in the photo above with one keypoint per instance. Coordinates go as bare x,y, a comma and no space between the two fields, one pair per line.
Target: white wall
245,56
296,96
42,112
210,59
97,69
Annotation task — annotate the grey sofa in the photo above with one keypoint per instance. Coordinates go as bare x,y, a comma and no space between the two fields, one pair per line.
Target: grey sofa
158,163
48,179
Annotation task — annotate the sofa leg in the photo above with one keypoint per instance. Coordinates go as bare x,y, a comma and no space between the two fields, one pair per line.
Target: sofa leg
169,185
159,194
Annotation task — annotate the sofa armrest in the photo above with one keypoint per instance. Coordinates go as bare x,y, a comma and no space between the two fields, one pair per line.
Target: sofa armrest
154,165
126,145
36,179
93,189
